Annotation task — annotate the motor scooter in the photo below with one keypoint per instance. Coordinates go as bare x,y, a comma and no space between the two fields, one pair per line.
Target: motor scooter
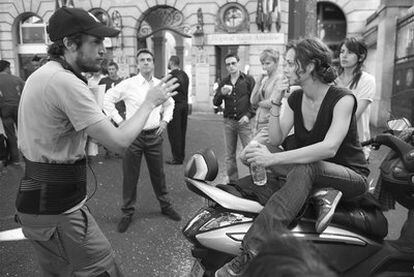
352,245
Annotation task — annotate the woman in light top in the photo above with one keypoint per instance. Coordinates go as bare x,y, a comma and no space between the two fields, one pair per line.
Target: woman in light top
263,88
353,53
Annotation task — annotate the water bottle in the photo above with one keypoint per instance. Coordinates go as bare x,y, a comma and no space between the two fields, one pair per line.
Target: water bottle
258,172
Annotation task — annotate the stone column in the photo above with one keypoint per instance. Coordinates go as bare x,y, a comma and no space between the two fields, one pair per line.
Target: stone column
386,39
159,56
311,17
302,18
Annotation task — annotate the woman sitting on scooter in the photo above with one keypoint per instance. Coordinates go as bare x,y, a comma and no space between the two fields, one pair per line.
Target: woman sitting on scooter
327,154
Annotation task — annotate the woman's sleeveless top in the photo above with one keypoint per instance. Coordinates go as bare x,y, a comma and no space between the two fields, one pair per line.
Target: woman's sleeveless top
350,153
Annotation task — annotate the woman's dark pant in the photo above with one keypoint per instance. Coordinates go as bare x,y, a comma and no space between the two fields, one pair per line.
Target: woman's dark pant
283,206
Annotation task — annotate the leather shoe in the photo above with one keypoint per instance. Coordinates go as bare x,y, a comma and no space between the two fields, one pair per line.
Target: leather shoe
173,162
171,213
124,223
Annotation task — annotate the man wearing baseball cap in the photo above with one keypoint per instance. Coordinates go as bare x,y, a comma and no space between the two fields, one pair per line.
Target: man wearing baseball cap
57,112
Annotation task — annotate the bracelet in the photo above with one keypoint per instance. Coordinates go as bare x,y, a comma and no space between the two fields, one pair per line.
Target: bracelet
275,103
274,115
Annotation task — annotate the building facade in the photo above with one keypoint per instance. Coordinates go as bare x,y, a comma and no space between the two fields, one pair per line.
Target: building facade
200,32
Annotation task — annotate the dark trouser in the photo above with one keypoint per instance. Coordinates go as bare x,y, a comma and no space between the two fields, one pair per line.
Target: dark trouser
150,145
177,129
283,206
3,148
9,118
407,231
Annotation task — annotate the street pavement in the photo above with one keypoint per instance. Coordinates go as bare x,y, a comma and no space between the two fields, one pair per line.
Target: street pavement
153,244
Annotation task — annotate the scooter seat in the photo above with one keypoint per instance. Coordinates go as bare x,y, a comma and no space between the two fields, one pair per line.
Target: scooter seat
223,198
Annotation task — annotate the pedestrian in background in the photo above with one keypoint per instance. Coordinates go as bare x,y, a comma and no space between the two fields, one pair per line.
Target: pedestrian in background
264,87
352,55
56,114
148,143
235,90
110,81
10,90
177,128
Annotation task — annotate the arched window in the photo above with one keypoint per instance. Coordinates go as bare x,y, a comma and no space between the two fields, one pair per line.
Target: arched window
32,30
31,40
331,26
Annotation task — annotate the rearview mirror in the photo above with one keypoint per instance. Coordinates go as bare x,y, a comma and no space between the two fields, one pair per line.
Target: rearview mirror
399,124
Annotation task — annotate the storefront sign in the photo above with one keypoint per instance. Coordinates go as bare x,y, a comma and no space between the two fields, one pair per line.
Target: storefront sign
245,38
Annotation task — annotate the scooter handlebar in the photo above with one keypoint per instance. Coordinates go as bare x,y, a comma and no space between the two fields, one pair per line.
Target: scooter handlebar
404,149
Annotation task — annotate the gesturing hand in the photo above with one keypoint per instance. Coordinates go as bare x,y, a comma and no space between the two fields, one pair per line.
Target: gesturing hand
161,92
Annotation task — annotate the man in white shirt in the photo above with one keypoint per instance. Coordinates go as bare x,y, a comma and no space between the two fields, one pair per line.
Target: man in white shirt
148,143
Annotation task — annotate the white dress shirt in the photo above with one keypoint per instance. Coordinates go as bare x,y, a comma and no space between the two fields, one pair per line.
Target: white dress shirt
133,91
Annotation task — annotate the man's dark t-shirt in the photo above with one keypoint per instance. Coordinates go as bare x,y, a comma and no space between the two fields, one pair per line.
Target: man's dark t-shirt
109,83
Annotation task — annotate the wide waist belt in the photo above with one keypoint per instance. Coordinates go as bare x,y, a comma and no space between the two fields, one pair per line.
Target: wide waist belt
51,188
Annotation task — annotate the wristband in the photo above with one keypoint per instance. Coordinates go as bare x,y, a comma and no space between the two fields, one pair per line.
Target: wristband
273,102
274,115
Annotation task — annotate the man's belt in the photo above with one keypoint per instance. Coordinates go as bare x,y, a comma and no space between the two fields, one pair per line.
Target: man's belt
51,188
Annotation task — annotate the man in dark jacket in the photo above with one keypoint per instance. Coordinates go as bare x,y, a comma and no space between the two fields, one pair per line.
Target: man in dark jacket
10,90
235,90
177,127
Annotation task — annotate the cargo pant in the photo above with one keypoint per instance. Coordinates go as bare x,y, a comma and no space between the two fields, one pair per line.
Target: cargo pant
70,244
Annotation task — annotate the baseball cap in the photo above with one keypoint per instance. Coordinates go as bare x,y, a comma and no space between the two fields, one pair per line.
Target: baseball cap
68,21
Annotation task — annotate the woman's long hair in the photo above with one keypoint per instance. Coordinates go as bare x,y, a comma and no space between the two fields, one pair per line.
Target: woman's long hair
359,48
313,50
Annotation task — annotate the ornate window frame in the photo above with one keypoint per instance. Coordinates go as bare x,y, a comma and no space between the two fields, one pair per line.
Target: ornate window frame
243,25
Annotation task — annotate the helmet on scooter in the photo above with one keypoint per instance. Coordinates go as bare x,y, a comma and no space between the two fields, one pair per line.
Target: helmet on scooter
397,181
395,178
202,166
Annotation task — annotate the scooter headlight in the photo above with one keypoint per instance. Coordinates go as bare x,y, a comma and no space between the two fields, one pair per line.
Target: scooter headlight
225,219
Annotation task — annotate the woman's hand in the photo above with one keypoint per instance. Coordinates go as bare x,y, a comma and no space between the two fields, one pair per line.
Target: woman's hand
244,119
261,77
279,89
258,154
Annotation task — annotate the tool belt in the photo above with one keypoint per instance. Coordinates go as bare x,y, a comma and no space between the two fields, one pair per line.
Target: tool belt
51,188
